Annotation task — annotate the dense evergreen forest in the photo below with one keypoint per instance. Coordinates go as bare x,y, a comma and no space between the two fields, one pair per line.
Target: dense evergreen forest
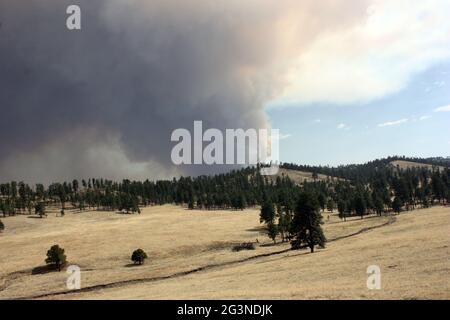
290,211
374,187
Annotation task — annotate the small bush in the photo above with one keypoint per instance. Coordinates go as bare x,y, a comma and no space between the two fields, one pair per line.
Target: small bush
244,246
2,226
56,257
138,256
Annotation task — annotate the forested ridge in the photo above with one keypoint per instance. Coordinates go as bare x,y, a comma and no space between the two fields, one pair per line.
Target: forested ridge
291,211
375,186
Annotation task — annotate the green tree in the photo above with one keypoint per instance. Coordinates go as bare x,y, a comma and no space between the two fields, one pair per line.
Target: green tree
397,205
307,222
284,222
342,209
330,205
272,230
56,257
138,256
322,201
379,205
360,205
39,209
267,213
241,202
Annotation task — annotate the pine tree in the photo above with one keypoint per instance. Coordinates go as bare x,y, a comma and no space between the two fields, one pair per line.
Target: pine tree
272,230
39,209
379,205
191,204
342,209
322,201
267,213
360,205
306,225
330,205
284,222
56,257
397,205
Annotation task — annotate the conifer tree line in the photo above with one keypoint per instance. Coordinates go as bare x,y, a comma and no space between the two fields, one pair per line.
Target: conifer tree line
294,214
375,187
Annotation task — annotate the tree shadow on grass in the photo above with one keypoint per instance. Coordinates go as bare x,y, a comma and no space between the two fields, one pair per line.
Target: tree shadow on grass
44,269
260,229
132,265
271,244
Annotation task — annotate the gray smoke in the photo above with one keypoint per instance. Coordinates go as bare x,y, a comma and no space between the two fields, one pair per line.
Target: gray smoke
104,100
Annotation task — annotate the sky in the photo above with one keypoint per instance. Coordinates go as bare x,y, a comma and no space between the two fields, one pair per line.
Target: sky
407,122
344,80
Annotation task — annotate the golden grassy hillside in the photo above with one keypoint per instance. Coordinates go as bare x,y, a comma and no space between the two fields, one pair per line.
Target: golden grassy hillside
298,176
190,256
409,164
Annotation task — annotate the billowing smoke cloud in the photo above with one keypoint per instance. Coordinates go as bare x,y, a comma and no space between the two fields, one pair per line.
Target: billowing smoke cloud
103,101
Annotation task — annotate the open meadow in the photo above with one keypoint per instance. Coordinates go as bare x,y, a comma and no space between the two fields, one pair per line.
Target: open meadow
191,257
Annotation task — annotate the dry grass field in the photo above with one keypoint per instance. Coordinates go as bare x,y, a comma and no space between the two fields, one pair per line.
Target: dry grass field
402,164
191,257
298,176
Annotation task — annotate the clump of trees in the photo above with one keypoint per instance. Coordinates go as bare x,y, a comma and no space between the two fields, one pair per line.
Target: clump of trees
138,256
356,190
56,257
306,225
296,221
373,188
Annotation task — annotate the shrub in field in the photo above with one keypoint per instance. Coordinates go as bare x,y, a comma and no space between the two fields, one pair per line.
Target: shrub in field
138,256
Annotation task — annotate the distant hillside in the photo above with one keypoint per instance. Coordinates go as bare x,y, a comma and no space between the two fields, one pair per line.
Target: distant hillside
402,164
364,172
297,176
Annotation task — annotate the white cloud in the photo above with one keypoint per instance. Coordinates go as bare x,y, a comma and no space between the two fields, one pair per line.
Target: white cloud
393,123
443,109
342,126
284,136
317,121
376,57
424,118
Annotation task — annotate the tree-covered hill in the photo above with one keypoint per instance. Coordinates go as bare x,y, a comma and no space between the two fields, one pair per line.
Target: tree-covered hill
376,186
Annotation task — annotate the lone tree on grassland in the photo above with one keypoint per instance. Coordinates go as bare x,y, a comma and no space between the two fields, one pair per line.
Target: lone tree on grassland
56,257
306,223
138,256
39,209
